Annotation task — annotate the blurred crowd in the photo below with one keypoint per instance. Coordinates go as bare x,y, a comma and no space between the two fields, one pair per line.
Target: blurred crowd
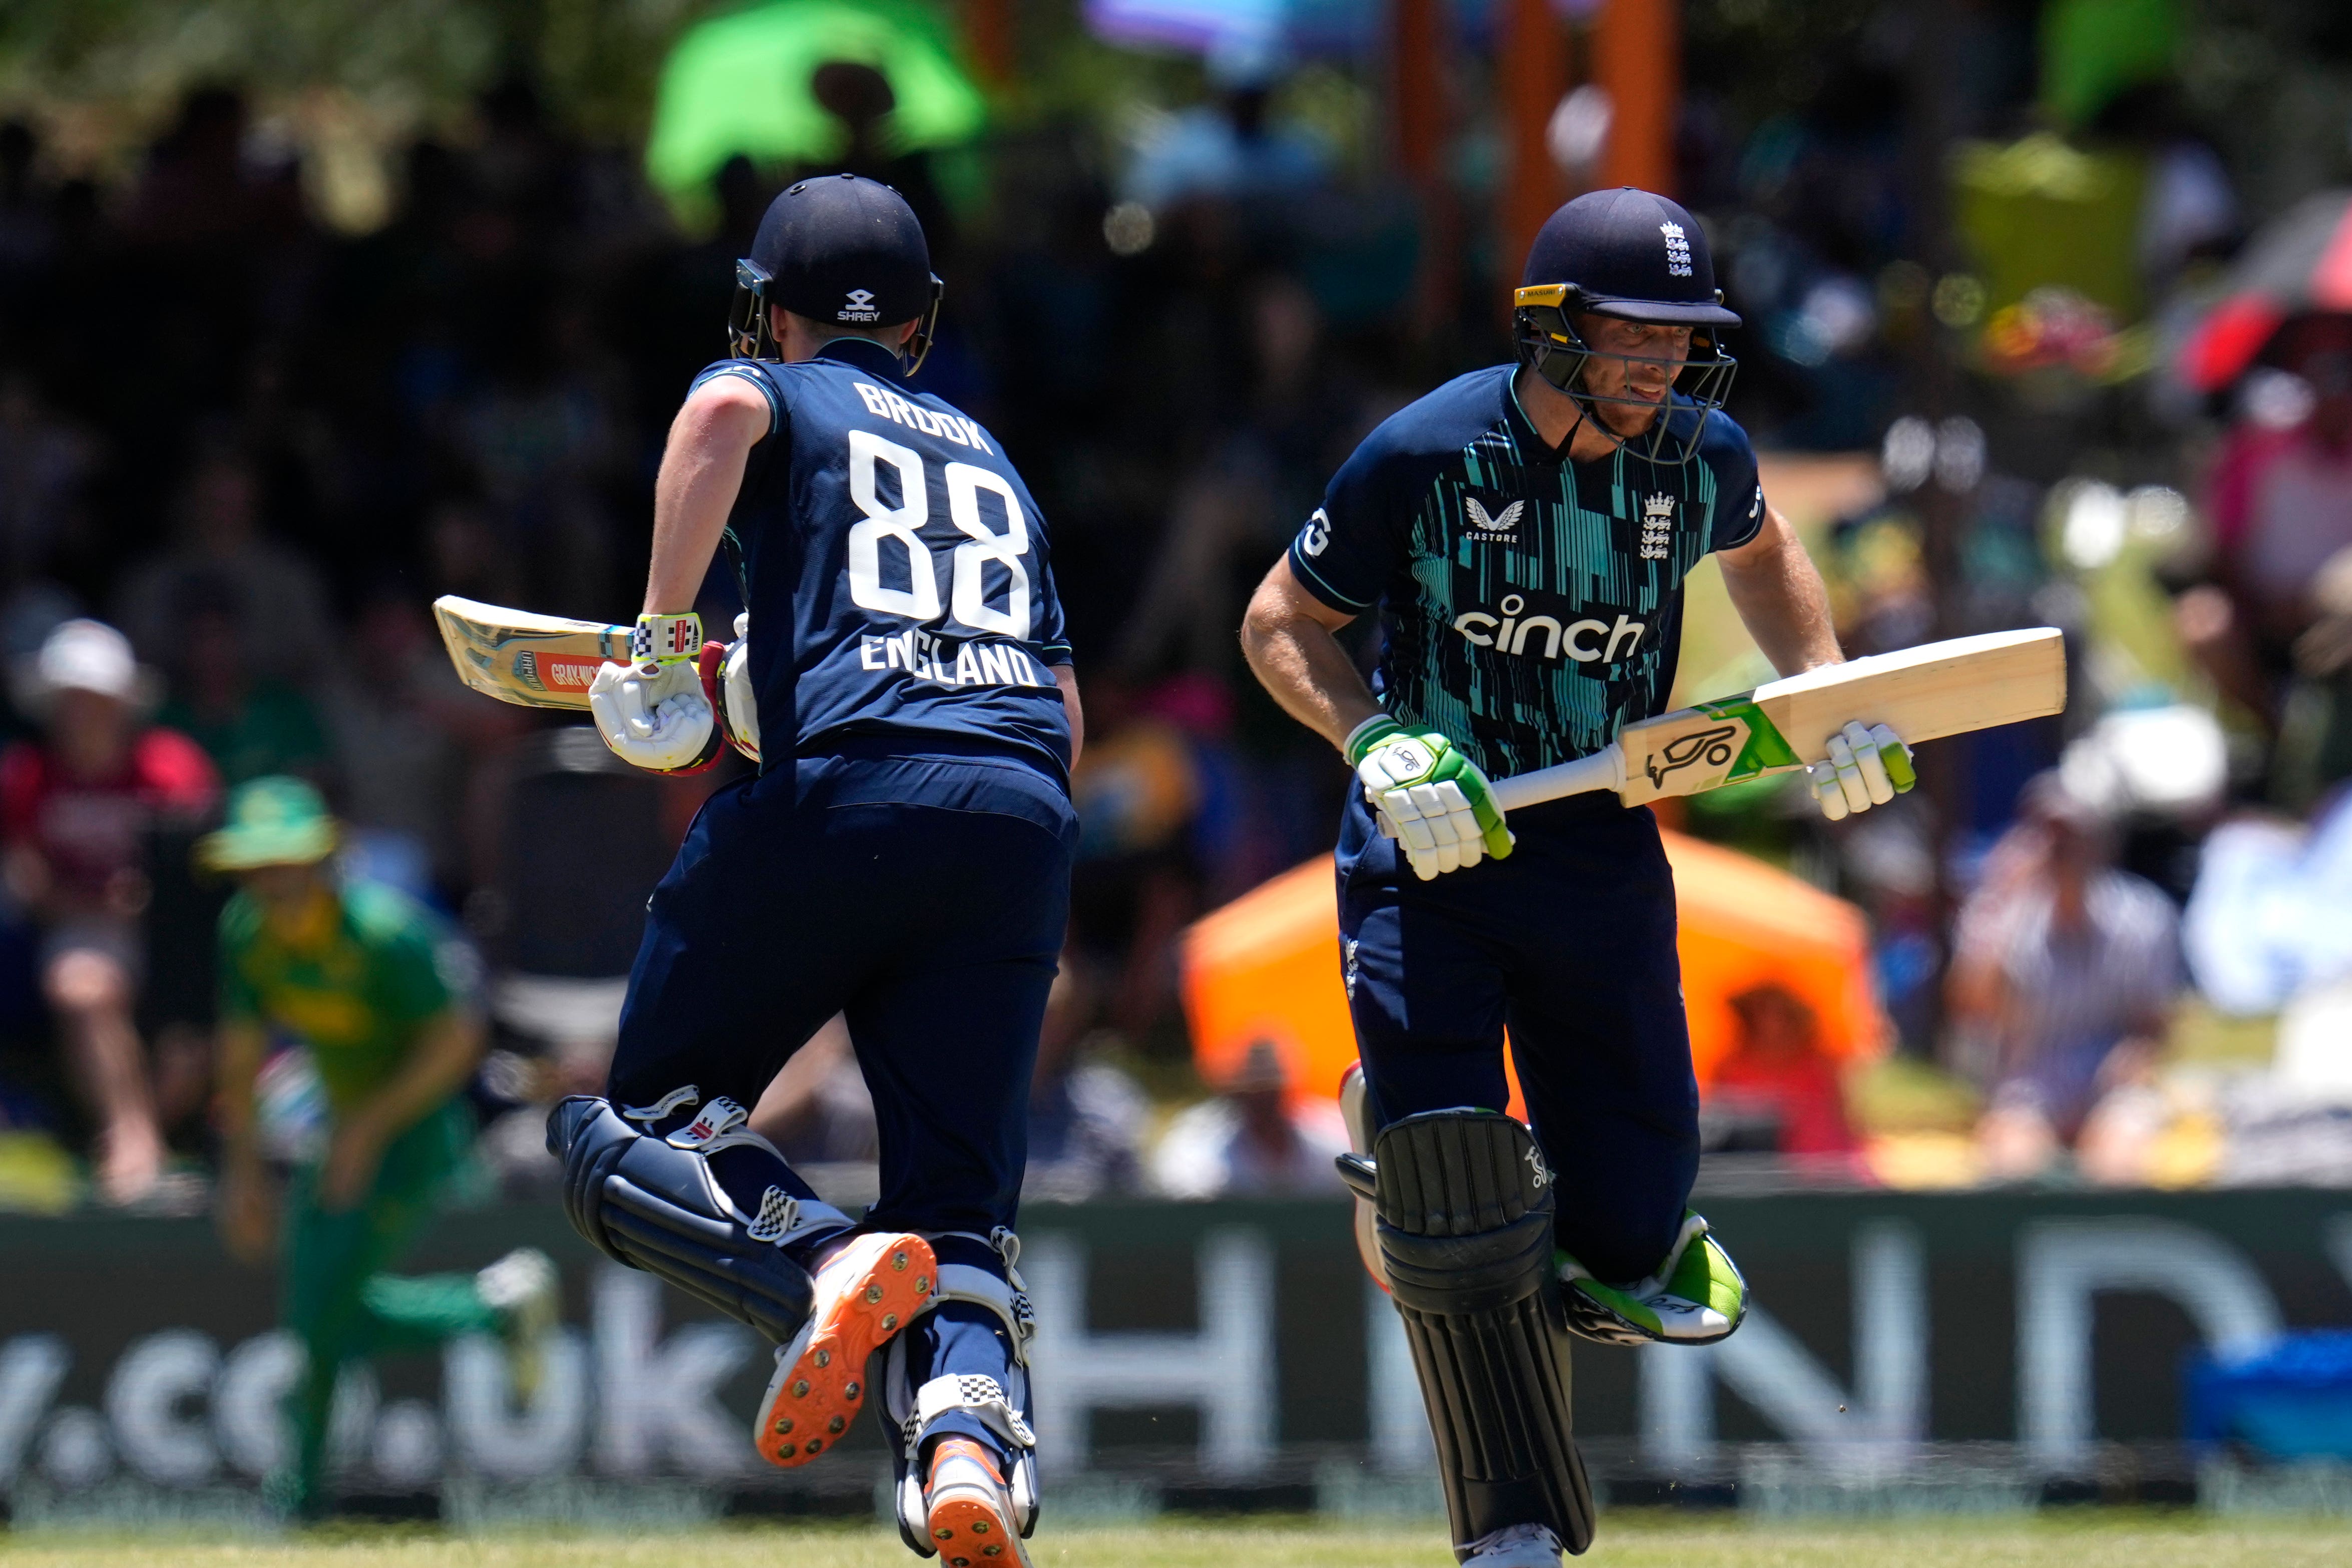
240,453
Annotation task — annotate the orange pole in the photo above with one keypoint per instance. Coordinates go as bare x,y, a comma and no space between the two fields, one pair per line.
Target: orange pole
1415,89
1637,58
989,35
1422,116
1530,77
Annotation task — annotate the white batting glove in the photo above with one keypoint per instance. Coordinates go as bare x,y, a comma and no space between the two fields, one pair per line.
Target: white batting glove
1867,766
653,712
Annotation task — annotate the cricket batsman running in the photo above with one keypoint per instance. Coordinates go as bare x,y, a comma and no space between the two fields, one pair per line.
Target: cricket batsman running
904,858
1525,532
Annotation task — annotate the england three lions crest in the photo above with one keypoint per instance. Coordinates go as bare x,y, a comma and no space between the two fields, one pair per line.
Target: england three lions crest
1657,527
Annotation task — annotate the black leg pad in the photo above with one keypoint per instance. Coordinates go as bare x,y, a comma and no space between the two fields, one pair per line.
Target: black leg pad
1465,1238
643,1203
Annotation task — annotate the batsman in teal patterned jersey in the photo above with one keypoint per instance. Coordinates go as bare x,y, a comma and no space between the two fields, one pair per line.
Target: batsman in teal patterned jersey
1524,533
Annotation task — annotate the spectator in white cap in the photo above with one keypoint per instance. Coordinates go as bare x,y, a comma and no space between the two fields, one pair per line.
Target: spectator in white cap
76,806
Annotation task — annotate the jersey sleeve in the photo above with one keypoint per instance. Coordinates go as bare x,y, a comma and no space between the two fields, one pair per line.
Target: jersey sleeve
1348,549
1739,492
1051,633
749,371
410,986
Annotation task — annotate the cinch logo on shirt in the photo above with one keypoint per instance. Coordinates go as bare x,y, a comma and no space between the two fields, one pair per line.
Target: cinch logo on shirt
954,428
1586,641
926,656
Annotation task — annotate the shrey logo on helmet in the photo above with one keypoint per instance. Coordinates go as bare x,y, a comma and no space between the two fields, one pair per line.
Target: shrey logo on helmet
860,307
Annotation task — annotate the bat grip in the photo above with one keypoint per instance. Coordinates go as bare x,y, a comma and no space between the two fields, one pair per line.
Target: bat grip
1602,770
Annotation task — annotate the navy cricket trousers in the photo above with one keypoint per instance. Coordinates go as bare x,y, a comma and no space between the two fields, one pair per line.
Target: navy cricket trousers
1570,945
924,898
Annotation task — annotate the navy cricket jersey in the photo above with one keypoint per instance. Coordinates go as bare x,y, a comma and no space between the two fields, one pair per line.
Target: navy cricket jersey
895,570
1533,604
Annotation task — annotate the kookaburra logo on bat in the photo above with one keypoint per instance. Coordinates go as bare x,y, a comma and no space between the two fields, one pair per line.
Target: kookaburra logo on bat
1711,746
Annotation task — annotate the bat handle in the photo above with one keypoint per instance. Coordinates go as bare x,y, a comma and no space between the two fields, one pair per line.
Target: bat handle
1604,769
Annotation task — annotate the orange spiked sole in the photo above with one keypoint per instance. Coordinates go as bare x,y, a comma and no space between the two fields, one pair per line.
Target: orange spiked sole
872,1290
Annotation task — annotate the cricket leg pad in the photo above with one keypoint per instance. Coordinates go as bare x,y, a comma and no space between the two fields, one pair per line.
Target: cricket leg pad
1465,1232
656,1203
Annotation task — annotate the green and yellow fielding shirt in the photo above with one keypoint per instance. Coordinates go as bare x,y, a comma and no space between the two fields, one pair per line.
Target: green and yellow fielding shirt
358,1002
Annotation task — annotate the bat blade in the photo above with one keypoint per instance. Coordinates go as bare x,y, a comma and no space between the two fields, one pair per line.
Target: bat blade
1923,693
532,660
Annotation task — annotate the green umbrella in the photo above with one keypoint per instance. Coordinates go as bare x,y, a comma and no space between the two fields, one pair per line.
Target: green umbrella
739,83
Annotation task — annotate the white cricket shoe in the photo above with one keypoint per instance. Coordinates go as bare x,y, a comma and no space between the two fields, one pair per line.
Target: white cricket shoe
525,1289
1515,1546
968,1510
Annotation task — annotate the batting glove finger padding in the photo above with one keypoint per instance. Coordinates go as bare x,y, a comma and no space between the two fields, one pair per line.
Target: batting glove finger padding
656,713
1867,765
1433,800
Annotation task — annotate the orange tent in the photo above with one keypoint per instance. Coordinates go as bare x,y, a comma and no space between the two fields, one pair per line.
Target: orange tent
1267,966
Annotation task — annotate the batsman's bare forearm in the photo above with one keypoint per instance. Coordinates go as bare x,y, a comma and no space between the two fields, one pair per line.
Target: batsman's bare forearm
448,1050
1289,637
701,474
1778,594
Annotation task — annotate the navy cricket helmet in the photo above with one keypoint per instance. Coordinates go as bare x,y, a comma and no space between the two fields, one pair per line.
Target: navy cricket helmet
836,248
1637,257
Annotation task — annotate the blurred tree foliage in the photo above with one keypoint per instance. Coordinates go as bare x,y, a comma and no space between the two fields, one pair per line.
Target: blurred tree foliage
417,61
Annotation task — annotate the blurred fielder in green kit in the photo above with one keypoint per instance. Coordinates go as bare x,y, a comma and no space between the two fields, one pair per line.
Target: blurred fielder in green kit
354,971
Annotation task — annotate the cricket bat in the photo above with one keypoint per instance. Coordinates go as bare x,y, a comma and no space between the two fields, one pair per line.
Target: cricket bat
1923,693
537,661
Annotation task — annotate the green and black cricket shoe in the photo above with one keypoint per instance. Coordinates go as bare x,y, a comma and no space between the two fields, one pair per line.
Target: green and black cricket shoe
1696,1298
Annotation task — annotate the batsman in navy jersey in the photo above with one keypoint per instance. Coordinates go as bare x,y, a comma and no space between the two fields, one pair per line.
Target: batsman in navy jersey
901,856
1524,533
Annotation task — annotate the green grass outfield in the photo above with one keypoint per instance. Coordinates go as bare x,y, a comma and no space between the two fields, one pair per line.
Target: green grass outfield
2089,1540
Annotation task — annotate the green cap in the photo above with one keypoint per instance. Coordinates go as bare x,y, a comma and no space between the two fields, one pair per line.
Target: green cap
271,822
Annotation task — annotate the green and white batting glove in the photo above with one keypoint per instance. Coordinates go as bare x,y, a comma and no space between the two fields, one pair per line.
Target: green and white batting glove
1696,1298
1428,797
1865,767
